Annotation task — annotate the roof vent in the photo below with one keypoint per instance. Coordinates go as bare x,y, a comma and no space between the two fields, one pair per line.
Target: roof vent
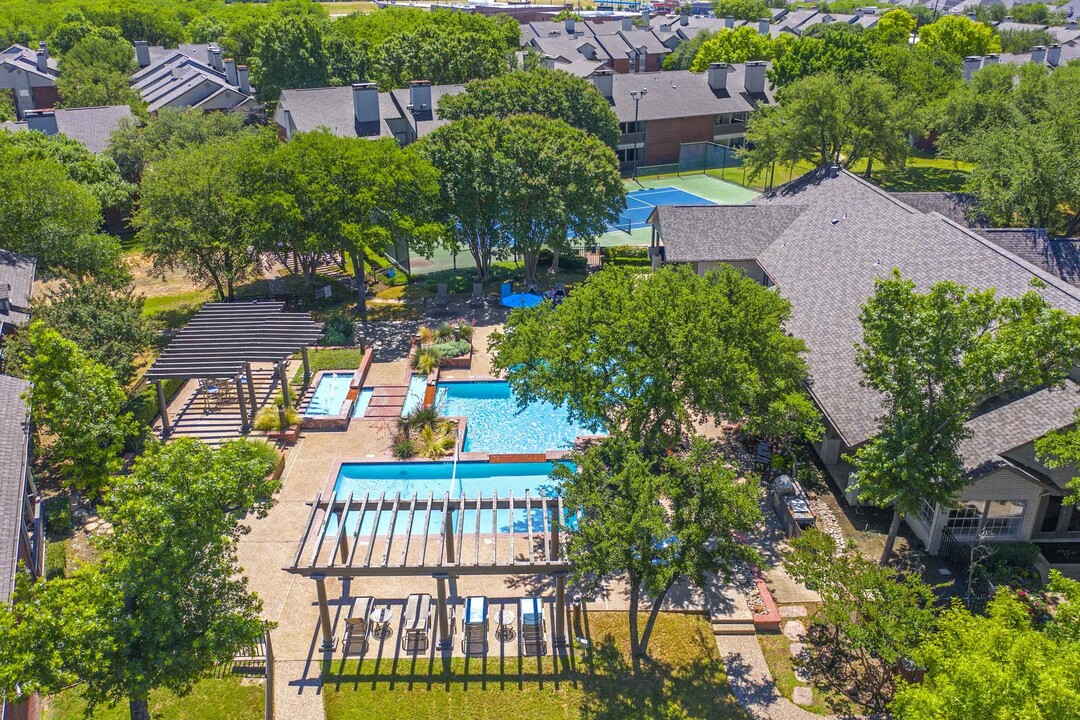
834,170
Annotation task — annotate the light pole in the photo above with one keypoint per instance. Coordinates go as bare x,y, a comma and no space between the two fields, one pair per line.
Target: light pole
637,95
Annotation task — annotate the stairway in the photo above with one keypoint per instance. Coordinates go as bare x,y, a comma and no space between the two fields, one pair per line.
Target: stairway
728,611
387,401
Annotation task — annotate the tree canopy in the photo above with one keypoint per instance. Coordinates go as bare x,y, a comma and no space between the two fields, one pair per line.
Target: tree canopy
935,357
77,404
96,70
521,183
959,36
657,523
652,354
166,602
550,93
741,9
732,46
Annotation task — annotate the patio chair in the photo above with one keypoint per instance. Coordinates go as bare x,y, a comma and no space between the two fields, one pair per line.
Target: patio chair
477,294
533,631
416,627
475,625
357,625
442,295
210,392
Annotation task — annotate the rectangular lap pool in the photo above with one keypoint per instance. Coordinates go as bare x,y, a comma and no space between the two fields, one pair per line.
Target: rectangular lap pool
438,479
495,423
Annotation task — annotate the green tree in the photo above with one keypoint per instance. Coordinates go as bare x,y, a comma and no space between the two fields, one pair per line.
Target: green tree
104,320
167,602
523,183
732,46
871,618
835,48
960,36
935,358
549,93
682,57
1024,41
894,28
75,403
197,213
46,214
652,355
656,522
290,52
136,144
822,119
1060,450
443,54
993,666
98,173
96,70
741,9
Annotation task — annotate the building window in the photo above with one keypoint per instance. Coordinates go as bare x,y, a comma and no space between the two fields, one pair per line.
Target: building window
965,520
628,155
926,512
631,127
1003,519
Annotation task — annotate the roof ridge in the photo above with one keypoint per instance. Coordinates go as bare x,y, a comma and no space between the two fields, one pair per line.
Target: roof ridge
879,191
1035,270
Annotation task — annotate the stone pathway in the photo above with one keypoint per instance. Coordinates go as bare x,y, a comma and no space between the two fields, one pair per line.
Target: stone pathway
752,682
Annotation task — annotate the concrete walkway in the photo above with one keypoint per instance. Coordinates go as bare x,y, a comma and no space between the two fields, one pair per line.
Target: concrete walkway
752,682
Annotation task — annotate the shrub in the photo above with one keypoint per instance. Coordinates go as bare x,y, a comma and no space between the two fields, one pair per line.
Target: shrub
425,361
340,330
465,331
450,349
55,560
437,441
403,448
445,333
57,510
268,420
418,419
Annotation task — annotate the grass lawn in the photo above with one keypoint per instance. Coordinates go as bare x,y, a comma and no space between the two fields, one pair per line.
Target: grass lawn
327,359
218,698
684,680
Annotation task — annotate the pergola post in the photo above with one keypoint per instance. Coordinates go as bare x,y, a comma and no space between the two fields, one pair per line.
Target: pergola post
307,367
244,422
324,614
560,609
282,377
444,612
343,537
251,390
448,531
166,426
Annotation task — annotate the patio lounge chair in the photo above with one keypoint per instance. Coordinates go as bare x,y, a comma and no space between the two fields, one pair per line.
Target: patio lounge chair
357,626
475,625
477,294
533,630
414,634
442,295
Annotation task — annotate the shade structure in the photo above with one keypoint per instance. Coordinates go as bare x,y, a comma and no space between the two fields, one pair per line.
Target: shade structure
221,337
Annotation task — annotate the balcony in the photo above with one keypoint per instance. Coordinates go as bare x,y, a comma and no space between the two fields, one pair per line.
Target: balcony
633,139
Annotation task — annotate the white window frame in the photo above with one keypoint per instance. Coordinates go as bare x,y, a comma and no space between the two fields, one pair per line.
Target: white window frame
998,527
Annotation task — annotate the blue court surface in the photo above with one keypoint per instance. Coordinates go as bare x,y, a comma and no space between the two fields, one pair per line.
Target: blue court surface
640,204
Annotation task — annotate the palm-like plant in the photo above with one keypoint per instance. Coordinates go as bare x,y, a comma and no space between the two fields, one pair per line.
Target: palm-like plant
436,441
425,361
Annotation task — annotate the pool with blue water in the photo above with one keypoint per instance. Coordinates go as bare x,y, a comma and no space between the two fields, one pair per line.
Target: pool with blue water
495,423
329,395
468,479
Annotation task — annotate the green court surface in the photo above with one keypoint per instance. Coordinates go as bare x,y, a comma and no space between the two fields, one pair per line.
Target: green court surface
710,188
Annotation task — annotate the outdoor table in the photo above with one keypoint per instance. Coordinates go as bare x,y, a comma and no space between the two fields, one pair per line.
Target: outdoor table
504,624
380,620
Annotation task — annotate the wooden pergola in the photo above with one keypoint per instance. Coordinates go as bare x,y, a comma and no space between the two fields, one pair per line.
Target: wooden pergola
222,340
443,546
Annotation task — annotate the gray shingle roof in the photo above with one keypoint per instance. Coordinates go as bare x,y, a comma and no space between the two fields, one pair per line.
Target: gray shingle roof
332,108
1017,423
24,59
961,208
681,93
91,126
17,272
848,234
14,436
694,233
1060,257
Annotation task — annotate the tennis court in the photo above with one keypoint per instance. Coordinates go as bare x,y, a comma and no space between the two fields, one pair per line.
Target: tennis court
641,203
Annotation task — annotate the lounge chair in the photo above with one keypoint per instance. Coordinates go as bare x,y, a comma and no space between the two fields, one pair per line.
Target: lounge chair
357,625
442,295
475,625
416,626
532,637
477,294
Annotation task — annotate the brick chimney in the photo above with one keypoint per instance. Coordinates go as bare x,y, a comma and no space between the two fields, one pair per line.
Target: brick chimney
754,77
365,100
718,72
142,53
230,72
243,80
41,120
603,81
420,95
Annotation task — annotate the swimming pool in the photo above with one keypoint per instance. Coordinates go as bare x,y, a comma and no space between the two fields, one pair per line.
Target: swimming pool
363,399
495,424
329,395
415,396
439,478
